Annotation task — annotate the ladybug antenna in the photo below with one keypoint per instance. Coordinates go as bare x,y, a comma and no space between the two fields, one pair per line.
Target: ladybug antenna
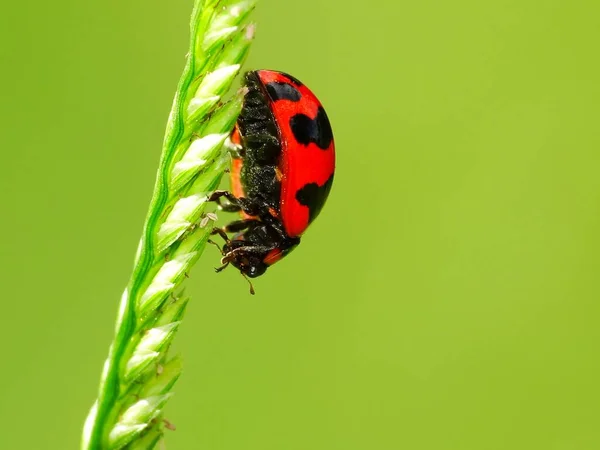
252,291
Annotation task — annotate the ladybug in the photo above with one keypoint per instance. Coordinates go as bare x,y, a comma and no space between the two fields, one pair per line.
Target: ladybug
283,161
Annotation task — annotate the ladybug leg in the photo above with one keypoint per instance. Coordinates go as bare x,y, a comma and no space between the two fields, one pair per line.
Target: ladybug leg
217,195
221,233
229,207
250,249
210,241
273,223
249,207
234,227
240,225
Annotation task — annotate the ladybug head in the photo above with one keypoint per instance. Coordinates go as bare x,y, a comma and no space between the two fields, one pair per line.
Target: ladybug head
249,260
253,251
250,265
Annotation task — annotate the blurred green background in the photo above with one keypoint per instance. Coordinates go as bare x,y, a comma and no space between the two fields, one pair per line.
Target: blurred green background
447,296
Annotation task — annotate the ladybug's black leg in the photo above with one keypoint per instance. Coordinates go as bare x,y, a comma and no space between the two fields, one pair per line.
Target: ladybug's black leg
274,223
210,241
229,207
249,249
221,233
240,225
249,207
217,195
232,227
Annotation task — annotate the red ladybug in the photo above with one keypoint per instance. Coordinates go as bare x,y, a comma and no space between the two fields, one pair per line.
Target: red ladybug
281,173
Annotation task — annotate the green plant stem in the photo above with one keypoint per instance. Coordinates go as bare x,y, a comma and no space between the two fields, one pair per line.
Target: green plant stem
219,43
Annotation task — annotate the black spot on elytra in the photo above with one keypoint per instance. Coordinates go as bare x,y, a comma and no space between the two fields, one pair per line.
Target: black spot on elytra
313,196
317,130
283,91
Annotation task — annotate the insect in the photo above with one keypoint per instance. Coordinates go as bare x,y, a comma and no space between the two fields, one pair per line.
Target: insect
283,161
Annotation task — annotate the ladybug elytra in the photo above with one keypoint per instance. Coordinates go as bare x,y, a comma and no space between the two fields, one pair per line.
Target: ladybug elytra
283,161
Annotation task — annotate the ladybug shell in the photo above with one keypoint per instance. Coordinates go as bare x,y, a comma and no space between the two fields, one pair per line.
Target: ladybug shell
305,159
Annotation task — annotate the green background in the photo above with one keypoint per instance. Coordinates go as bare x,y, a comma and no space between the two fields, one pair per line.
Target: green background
446,298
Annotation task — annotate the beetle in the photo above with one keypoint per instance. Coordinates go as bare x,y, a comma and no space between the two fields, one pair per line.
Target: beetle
283,162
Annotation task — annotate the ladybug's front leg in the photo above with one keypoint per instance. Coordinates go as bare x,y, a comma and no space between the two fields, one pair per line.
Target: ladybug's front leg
246,250
221,233
249,207
239,225
217,195
234,227
229,207
244,204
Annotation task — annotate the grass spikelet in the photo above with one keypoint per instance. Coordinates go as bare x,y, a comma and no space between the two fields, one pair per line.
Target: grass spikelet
138,376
